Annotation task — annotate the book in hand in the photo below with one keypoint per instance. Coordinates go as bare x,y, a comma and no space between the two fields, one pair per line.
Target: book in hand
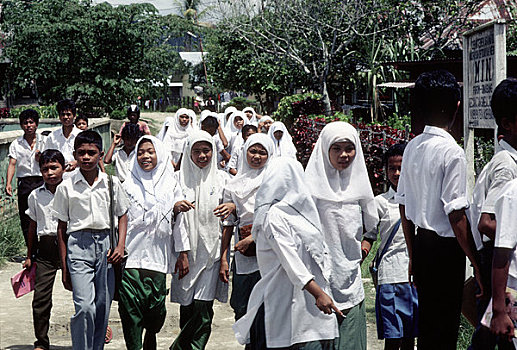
511,308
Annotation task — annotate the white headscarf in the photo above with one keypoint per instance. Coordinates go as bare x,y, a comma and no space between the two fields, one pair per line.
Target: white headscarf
151,190
326,182
285,146
253,119
247,178
227,111
173,134
284,186
204,186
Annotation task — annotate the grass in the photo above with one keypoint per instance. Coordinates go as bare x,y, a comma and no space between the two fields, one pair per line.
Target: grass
465,331
11,237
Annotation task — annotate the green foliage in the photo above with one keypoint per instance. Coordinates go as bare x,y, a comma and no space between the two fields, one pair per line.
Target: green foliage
11,237
118,114
241,102
398,121
172,109
285,112
464,334
43,111
101,56
483,152
336,116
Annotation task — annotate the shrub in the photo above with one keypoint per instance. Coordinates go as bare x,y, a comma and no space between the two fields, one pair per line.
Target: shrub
241,102
172,109
43,111
118,114
11,238
293,106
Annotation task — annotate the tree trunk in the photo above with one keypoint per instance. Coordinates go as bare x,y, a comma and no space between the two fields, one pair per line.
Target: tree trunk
326,98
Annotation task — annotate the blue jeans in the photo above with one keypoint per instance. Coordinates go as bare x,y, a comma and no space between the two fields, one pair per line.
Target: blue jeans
93,285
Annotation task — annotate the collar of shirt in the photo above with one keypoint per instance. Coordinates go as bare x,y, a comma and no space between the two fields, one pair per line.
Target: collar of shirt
507,147
78,177
75,131
434,130
391,193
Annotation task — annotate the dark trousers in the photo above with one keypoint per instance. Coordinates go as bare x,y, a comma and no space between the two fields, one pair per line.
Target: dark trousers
48,264
483,339
25,187
439,272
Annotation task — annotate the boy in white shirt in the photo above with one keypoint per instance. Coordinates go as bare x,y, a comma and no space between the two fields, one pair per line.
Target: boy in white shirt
63,138
236,159
22,152
122,156
82,206
43,235
501,169
432,194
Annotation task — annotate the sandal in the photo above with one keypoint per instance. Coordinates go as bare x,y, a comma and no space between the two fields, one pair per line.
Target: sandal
109,335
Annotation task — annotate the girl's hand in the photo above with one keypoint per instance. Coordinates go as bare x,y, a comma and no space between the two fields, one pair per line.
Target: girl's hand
243,244
224,210
183,206
182,265
224,271
27,263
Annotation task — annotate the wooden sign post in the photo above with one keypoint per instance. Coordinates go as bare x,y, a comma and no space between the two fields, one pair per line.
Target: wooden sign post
484,66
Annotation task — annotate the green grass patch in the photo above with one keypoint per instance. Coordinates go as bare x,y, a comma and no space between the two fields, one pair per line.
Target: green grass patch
11,237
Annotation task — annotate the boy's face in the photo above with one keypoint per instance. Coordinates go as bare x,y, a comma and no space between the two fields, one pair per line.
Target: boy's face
130,143
66,117
209,129
133,117
341,155
88,156
29,126
394,166
248,134
52,173
81,124
146,156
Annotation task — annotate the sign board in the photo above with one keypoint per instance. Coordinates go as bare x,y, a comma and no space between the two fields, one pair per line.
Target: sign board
484,66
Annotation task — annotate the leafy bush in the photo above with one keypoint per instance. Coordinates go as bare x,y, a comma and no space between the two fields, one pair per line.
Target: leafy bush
118,114
398,121
241,102
290,107
11,237
43,111
172,109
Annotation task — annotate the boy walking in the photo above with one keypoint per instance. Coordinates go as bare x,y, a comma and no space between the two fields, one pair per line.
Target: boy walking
43,231
82,206
22,152
432,194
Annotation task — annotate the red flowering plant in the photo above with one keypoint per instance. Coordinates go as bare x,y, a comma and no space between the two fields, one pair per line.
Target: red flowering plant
375,140
4,113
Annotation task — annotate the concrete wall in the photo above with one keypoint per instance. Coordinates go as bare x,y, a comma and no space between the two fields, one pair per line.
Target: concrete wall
8,204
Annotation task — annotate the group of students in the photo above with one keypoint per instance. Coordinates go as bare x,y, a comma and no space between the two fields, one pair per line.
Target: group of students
300,236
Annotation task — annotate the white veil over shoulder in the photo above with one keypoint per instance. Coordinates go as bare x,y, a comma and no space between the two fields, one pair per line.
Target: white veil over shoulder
326,182
284,186
285,146
204,186
247,178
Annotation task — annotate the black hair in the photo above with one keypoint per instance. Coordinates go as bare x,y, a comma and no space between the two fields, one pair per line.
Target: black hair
131,132
88,136
29,114
66,105
504,101
247,128
81,117
436,93
51,155
210,122
395,150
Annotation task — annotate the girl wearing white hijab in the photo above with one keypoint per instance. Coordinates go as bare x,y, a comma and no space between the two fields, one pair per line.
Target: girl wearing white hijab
337,178
175,131
152,191
227,114
265,123
294,263
282,139
202,186
241,191
233,130
250,113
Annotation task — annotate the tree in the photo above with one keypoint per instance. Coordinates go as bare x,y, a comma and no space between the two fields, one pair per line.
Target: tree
100,55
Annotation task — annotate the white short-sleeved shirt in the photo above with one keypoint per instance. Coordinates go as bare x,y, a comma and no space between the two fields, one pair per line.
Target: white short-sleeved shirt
218,143
506,233
234,160
88,207
57,140
244,210
121,160
40,204
433,180
286,267
393,267
26,164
